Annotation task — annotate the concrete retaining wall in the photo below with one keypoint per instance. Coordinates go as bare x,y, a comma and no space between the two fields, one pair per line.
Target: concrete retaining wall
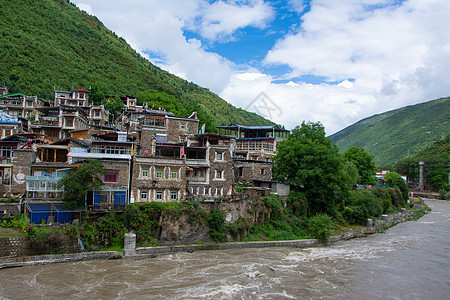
57,258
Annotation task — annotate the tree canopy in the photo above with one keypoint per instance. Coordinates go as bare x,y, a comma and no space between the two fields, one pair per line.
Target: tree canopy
309,160
363,161
78,182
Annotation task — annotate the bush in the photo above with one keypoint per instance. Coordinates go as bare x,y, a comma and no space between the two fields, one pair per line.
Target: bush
362,205
396,197
19,221
298,203
385,198
320,227
239,228
216,224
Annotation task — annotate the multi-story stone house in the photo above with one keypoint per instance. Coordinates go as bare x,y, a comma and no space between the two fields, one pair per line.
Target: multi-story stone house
98,115
255,148
56,123
77,97
159,164
115,154
209,161
20,106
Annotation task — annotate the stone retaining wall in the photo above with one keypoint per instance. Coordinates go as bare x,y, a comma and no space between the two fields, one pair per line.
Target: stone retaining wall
13,246
145,252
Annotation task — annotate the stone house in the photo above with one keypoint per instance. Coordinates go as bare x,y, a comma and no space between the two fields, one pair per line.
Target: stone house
255,148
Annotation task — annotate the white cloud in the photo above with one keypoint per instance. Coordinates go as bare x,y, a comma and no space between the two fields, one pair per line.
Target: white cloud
396,54
384,54
221,19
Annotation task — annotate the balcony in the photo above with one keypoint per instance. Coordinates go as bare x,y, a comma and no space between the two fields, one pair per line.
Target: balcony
11,102
49,121
6,160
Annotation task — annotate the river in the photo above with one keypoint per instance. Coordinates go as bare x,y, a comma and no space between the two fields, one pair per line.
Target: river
408,261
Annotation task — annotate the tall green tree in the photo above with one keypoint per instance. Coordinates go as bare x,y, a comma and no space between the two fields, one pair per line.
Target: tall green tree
363,162
78,182
309,160
114,105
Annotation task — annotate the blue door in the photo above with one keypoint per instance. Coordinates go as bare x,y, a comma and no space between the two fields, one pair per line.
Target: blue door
119,200
97,200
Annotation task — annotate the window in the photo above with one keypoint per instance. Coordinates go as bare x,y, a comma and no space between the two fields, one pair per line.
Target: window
69,122
6,152
263,172
173,195
110,176
219,156
159,174
174,174
144,195
159,195
182,126
219,174
144,172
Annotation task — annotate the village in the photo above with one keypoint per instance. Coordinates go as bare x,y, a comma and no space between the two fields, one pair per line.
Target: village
148,154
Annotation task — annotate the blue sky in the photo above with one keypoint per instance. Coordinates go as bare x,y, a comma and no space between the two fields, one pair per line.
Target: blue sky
330,61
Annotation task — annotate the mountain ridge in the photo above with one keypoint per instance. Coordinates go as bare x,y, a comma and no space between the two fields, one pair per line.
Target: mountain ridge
51,44
396,134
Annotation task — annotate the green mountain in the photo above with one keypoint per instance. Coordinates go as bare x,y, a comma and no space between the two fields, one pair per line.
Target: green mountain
396,134
51,44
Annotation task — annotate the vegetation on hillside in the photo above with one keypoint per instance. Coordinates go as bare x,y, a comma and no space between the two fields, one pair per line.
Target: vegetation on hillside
395,134
436,164
51,44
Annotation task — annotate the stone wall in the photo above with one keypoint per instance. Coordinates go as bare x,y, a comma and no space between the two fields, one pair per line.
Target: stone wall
20,246
13,246
22,161
251,170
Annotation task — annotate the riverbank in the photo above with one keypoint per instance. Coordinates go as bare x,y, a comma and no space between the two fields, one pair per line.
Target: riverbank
149,252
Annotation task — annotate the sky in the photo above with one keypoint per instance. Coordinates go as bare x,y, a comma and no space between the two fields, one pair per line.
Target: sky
335,62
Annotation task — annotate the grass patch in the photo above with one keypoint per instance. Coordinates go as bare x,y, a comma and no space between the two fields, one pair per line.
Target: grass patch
11,232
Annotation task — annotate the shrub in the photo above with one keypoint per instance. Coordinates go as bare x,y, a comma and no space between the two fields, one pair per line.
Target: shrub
19,221
239,228
216,224
362,205
320,227
396,197
385,198
298,203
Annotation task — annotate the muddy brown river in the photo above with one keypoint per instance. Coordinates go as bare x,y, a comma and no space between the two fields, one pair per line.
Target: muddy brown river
409,261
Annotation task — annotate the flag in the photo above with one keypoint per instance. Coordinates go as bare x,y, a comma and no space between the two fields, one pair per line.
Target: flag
187,130
202,130
132,149
154,131
182,151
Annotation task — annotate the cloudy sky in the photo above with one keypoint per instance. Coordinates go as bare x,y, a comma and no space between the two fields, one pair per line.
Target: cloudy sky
321,60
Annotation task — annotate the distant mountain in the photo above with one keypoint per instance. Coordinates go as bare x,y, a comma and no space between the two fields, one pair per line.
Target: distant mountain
395,134
48,44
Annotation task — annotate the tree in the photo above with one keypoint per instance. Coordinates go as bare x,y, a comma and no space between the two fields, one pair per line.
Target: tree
363,162
395,180
352,173
114,105
309,160
80,181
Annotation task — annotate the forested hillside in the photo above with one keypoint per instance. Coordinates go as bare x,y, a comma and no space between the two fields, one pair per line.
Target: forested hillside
399,133
47,44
